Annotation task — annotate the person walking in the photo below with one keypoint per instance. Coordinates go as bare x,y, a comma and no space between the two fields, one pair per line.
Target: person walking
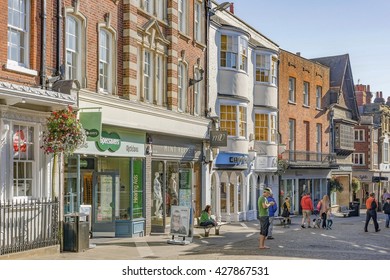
286,212
263,206
324,209
371,205
271,210
329,219
307,208
386,210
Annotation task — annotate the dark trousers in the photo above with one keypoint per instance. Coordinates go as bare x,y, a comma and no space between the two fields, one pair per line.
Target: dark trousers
371,214
323,217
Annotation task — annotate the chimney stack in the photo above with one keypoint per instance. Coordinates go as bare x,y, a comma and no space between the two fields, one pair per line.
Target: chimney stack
298,53
232,8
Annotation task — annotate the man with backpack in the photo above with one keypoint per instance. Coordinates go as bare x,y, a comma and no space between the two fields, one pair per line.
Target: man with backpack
371,205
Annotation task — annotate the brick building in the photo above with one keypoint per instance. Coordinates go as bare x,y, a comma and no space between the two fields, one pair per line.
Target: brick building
304,128
371,158
140,66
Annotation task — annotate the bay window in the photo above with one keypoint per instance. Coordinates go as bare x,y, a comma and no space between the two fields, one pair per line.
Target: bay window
265,127
266,68
234,52
233,119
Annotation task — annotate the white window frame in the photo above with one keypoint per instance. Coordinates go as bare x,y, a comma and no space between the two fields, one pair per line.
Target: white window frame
360,135
358,159
263,66
243,59
182,16
182,87
147,76
20,29
291,134
385,152
270,126
111,60
318,138
198,34
318,97
291,89
197,92
239,121
230,51
306,92
72,68
160,76
31,159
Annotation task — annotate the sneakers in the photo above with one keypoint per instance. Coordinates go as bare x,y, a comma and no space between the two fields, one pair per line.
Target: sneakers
378,230
302,226
270,237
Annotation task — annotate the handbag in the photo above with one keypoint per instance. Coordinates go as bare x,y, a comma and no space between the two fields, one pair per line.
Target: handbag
285,213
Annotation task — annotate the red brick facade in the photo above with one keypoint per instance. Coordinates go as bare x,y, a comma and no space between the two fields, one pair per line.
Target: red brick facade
306,117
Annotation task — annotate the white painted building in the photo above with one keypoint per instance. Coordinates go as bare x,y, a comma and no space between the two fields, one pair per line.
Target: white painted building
243,94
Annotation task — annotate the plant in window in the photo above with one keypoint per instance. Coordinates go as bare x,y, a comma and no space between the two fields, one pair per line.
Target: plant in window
335,185
64,132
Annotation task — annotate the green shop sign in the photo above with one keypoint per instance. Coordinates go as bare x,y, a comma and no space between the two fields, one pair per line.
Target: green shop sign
109,141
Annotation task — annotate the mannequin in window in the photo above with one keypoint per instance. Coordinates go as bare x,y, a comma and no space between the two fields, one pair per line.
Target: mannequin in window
173,189
157,194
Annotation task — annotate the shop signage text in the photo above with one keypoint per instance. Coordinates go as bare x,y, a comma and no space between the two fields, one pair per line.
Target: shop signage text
218,138
109,141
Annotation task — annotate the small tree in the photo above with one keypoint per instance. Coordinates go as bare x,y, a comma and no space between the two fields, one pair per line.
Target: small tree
355,186
335,185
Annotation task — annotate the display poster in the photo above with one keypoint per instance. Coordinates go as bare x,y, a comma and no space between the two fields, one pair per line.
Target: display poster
105,194
137,189
180,220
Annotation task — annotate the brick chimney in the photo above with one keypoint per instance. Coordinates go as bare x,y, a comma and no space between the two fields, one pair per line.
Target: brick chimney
232,8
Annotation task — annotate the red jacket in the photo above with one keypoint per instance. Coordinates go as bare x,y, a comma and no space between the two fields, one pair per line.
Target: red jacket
307,203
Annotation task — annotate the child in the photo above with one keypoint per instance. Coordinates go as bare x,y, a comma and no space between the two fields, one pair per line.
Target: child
329,219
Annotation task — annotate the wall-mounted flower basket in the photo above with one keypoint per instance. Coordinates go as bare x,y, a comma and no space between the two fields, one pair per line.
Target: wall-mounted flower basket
64,133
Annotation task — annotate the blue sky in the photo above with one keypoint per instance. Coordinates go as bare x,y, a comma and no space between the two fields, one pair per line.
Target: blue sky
325,28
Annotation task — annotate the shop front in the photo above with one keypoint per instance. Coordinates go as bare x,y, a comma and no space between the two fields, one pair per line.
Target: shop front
107,175
175,178
228,186
295,183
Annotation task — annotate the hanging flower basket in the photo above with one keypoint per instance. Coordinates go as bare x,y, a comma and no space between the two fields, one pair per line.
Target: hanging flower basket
64,132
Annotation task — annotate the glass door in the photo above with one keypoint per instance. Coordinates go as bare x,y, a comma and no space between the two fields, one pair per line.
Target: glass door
103,221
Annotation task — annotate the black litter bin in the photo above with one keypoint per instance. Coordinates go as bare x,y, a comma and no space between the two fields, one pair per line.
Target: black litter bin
76,232
355,207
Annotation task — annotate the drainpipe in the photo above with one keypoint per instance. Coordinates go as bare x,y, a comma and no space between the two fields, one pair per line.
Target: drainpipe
58,35
206,102
43,45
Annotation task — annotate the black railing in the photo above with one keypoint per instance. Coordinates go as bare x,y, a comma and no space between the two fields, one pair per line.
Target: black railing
27,225
308,157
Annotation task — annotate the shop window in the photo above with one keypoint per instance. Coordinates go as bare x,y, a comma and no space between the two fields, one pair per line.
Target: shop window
23,160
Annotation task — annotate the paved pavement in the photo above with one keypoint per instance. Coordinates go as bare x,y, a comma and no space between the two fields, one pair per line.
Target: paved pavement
346,240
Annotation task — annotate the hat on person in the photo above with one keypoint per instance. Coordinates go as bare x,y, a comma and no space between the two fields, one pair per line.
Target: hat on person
268,190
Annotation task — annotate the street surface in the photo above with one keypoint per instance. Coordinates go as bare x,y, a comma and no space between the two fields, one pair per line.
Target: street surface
346,241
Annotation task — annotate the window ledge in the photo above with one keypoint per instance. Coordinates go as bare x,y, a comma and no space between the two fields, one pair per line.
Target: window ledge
306,106
292,102
21,69
184,36
319,109
200,45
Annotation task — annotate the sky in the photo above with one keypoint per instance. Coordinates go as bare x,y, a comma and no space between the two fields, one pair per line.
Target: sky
326,28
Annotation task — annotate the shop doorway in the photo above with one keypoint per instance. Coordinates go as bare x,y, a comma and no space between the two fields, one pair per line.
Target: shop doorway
105,185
